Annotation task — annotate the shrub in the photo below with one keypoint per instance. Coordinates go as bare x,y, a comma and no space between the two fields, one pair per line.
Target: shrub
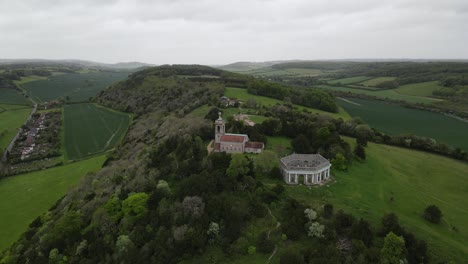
432,214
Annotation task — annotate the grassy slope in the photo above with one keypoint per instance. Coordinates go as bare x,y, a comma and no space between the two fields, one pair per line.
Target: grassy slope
394,119
79,87
390,94
349,80
243,95
416,180
91,129
24,197
376,81
9,96
419,89
10,121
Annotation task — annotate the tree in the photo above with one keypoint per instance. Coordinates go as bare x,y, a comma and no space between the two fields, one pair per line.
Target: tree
362,230
301,144
263,162
328,210
264,244
360,152
310,214
291,256
213,232
393,250
316,230
239,166
193,206
251,103
432,214
339,162
135,205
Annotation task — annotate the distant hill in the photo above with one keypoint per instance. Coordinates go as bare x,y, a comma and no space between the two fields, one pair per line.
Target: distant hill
243,66
82,63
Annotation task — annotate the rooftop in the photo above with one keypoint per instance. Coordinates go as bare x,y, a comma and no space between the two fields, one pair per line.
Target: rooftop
237,138
304,161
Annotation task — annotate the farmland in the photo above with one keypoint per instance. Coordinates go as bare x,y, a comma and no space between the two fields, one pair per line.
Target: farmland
419,89
390,94
92,129
394,120
242,94
350,80
415,180
11,118
75,87
10,96
27,196
377,81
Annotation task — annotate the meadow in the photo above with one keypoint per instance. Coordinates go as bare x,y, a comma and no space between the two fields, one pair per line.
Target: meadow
390,94
27,196
377,81
394,120
419,89
415,180
91,129
10,96
77,87
243,95
349,80
12,117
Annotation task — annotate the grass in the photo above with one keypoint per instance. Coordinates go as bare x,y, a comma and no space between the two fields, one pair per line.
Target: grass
27,196
419,89
349,80
78,87
243,95
390,94
280,145
415,179
92,129
31,78
10,96
394,120
10,121
377,81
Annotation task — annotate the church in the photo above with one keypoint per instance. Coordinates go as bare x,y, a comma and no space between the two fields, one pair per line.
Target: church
233,143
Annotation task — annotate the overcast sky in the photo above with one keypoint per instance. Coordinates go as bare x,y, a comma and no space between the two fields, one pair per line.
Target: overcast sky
221,32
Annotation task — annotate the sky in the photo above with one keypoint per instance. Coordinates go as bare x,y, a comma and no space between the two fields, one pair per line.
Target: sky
221,32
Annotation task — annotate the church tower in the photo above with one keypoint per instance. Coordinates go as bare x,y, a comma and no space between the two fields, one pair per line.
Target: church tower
219,128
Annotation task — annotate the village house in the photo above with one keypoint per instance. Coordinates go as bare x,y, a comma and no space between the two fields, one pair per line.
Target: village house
233,143
314,168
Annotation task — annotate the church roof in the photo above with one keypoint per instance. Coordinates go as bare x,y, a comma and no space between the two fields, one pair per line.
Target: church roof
236,138
304,161
254,145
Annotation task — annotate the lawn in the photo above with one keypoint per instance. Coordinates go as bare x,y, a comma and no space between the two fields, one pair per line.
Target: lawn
419,89
349,80
243,95
394,120
280,145
415,179
92,129
377,81
10,96
390,94
78,87
10,121
27,196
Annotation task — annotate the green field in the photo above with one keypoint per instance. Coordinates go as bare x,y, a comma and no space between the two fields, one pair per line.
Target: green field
415,180
12,117
27,196
350,80
243,95
394,120
10,96
92,129
377,81
390,94
419,89
78,87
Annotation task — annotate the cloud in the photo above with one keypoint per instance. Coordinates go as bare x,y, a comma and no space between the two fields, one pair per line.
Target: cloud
216,32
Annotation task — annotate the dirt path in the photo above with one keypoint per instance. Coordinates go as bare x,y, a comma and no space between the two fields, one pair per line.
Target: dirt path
348,101
278,224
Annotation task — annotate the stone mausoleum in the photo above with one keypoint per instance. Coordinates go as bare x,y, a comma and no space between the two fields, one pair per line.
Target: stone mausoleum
313,168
